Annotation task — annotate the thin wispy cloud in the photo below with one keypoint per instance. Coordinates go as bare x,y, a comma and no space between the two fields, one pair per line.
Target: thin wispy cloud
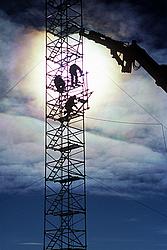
30,244
162,231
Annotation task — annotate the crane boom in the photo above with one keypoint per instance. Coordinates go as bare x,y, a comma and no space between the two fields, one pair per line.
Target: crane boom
127,54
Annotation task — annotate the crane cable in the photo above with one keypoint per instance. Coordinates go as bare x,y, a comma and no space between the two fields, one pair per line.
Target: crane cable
141,106
134,123
21,79
109,189
149,113
123,122
154,117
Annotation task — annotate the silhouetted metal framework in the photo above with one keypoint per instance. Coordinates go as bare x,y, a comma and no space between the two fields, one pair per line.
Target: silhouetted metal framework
66,101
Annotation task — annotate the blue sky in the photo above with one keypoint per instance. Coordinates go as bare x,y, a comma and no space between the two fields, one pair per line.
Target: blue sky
113,222
126,130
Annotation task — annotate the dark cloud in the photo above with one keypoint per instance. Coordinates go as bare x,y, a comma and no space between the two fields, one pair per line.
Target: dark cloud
8,44
143,21
29,13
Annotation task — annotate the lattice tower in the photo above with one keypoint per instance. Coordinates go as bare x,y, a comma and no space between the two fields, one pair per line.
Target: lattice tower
67,97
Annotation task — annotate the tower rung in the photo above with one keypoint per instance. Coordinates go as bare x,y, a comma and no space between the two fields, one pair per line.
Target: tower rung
69,147
69,179
65,149
67,213
65,180
73,248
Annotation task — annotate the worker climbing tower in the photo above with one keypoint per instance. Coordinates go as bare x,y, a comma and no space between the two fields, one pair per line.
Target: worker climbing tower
67,97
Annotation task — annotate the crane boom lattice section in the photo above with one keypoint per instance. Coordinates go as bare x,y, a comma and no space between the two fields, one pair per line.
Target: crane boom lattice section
67,97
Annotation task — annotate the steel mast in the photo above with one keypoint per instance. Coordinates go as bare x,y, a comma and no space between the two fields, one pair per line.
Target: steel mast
66,101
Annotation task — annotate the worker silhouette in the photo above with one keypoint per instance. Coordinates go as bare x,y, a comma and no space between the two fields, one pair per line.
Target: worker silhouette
74,74
59,83
69,105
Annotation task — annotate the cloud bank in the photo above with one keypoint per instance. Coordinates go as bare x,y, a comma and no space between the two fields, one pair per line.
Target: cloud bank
131,158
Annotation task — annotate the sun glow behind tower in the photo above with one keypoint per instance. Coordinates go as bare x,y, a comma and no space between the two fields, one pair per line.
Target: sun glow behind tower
31,58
